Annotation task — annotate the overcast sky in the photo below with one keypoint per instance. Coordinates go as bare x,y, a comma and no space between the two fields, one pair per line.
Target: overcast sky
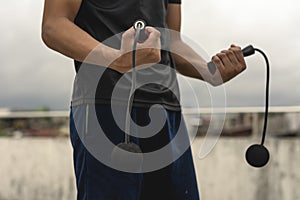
32,76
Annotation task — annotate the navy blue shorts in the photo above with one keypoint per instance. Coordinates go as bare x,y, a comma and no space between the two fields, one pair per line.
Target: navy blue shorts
96,181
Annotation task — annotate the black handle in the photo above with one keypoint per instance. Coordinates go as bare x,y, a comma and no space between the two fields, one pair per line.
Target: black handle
247,51
141,24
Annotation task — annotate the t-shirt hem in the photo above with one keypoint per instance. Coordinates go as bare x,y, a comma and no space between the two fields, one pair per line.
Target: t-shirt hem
174,2
168,106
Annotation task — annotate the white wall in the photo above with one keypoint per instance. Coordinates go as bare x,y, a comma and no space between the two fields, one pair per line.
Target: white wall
225,175
41,169
36,169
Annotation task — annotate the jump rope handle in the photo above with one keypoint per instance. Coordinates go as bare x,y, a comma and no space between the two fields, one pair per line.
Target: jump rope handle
140,36
141,24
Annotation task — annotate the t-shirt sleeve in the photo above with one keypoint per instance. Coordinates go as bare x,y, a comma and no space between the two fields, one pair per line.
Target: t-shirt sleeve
175,1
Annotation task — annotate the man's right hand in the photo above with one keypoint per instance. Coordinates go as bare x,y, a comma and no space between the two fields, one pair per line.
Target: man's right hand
147,52
61,34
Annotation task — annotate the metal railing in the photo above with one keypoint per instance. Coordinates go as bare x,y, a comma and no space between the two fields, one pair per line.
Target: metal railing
49,114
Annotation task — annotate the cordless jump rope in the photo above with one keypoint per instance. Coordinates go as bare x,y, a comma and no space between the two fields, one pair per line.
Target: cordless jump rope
257,155
119,155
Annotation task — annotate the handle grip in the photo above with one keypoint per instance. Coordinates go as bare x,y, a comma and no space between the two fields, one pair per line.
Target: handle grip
141,24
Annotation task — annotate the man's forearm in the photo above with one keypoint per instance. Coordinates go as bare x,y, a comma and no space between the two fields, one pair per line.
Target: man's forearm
64,36
188,62
229,63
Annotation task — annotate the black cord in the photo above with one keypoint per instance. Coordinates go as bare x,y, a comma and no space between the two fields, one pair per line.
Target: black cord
133,83
136,39
267,95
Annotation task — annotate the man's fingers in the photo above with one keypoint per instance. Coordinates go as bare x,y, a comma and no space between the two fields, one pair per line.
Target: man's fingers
153,34
127,40
218,63
149,50
232,57
153,40
233,45
151,30
230,62
129,34
239,55
225,60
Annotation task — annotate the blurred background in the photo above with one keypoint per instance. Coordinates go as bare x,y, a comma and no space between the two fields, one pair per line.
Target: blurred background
36,85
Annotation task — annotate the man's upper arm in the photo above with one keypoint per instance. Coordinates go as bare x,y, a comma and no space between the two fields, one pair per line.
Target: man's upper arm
54,9
174,15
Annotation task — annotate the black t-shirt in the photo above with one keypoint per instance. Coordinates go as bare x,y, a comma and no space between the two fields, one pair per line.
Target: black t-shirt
103,19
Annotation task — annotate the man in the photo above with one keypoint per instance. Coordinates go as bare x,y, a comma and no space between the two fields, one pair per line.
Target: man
78,29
